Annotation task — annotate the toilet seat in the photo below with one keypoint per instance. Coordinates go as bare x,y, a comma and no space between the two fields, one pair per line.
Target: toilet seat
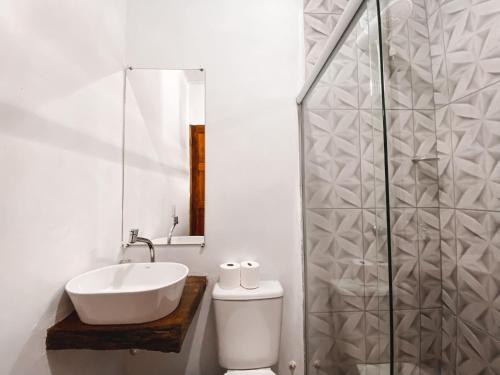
259,371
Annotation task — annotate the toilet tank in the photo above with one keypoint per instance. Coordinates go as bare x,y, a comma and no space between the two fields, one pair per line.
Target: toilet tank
248,325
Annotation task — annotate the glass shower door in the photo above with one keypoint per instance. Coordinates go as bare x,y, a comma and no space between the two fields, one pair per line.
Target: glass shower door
347,262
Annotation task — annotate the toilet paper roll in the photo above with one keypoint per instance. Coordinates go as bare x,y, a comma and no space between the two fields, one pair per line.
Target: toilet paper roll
250,274
229,275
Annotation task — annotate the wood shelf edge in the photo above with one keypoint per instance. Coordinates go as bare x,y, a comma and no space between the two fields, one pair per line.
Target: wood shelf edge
165,335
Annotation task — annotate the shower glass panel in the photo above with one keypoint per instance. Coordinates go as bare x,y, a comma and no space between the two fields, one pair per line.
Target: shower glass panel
413,186
372,220
347,267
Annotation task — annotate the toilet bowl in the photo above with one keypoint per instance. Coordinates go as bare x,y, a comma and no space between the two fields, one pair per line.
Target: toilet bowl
248,323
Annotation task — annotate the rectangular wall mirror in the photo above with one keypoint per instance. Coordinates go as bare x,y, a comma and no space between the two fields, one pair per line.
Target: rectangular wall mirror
164,155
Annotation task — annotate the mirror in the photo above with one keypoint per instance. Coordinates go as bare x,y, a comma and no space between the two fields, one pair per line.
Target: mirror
164,155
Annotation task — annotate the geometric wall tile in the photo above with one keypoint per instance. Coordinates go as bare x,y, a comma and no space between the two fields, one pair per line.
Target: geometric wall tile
407,336
478,353
377,337
426,171
344,174
429,258
368,65
335,273
318,28
445,162
472,41
336,340
478,249
324,6
425,132
427,185
432,6
372,159
475,123
332,159
405,258
345,171
448,259
397,57
438,57
368,124
338,85
375,269
430,340
397,63
421,64
401,150
321,344
408,368
449,343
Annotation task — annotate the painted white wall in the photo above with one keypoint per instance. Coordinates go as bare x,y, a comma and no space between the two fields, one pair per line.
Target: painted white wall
251,53
196,95
156,152
60,160
60,142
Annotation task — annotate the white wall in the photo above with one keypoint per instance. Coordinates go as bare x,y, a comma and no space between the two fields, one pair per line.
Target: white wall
60,161
196,92
156,152
251,53
60,154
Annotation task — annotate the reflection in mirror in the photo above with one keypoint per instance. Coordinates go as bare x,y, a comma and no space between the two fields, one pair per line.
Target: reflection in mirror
164,155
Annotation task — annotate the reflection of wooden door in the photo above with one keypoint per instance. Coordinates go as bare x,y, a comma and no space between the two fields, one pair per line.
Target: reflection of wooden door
197,197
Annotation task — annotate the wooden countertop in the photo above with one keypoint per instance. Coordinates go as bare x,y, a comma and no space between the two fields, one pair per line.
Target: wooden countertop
164,335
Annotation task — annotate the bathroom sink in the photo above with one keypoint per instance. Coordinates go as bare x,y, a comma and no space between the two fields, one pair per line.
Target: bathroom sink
128,293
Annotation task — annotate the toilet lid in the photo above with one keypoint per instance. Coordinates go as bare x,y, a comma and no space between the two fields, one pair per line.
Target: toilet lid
259,371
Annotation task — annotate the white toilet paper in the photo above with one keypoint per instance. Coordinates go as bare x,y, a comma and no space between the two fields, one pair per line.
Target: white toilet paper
229,275
250,274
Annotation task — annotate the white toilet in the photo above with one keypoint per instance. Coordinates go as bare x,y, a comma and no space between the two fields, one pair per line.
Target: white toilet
248,327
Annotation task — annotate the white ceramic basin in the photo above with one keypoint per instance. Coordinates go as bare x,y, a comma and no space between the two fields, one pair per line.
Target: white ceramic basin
128,293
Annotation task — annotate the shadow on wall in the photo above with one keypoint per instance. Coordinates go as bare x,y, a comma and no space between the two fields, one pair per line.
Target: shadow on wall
199,345
22,124
198,354
33,357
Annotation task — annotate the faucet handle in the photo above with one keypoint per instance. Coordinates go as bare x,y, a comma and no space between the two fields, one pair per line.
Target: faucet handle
133,235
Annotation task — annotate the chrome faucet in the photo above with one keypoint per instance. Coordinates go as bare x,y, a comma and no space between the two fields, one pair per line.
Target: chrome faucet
134,237
175,219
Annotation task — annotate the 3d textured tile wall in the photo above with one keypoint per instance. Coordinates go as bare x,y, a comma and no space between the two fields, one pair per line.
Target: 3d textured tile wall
348,319
465,49
443,95
320,18
346,228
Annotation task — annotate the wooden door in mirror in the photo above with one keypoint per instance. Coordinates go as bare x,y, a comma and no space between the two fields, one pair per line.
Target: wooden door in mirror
197,196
